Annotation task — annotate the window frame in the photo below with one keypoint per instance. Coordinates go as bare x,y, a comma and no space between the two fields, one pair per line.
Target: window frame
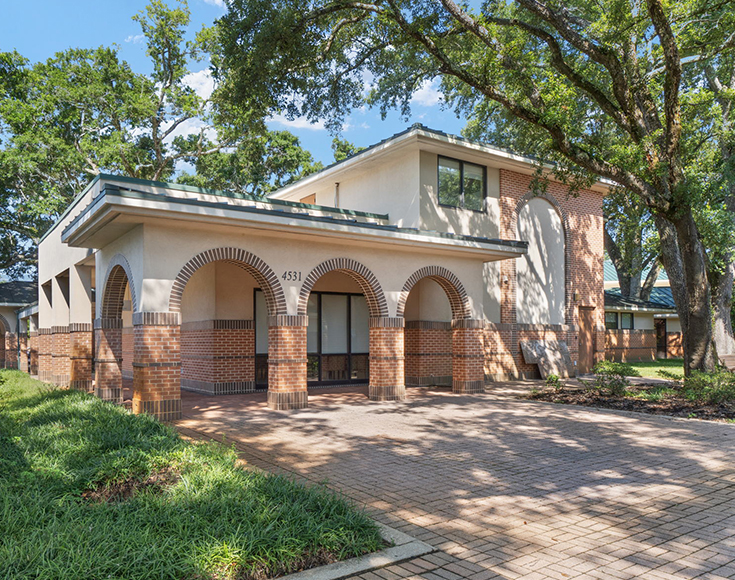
617,326
461,184
632,321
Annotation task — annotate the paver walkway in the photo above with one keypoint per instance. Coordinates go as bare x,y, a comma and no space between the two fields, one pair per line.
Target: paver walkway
505,488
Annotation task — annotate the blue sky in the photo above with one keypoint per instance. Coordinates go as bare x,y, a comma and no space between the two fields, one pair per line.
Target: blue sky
39,28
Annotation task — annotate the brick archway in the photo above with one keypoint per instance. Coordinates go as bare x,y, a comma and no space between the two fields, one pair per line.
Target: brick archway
117,278
257,268
451,285
361,274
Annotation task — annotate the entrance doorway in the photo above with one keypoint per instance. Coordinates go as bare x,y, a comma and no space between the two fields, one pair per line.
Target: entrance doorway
661,346
586,339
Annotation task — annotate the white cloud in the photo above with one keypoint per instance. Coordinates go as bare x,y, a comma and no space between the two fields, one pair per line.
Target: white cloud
202,82
135,39
428,95
188,127
218,3
297,123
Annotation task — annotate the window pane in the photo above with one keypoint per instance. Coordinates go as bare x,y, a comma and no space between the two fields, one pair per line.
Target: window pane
334,324
312,368
261,323
312,332
449,186
626,320
474,188
360,367
335,367
611,320
360,333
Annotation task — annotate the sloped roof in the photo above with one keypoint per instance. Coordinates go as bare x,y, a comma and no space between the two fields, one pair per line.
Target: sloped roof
661,299
611,274
18,293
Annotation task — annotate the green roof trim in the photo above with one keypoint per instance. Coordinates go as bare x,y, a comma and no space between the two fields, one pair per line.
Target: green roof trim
134,194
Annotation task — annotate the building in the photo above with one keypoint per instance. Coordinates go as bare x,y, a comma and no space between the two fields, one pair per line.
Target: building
14,330
638,330
424,259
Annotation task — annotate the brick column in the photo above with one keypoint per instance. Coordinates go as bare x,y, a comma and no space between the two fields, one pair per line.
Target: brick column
33,352
287,362
44,355
387,355
11,350
157,365
108,359
60,365
80,356
23,363
468,373
428,353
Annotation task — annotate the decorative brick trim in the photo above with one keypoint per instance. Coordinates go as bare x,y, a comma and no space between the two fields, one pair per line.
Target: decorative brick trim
229,388
287,400
499,326
428,325
44,331
113,395
107,323
386,322
218,325
119,275
430,381
59,330
156,318
387,393
475,323
80,327
163,410
549,327
288,320
257,268
468,387
454,289
367,281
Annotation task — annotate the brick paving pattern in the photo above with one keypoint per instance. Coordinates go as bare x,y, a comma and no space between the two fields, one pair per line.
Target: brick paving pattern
505,488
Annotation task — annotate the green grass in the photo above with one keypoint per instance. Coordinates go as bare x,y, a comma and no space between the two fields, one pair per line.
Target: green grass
652,369
213,520
658,393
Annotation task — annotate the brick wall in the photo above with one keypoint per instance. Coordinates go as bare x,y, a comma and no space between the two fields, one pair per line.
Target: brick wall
218,356
80,356
624,345
674,345
583,222
127,352
11,350
157,365
108,359
45,361
33,357
428,353
387,362
23,364
287,362
60,362
468,356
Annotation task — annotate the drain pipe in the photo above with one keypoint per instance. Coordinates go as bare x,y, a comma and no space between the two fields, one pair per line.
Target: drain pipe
336,194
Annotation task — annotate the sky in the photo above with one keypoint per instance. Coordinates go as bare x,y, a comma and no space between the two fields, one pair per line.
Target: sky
39,28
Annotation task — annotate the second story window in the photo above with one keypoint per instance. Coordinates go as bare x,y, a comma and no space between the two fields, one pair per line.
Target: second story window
461,184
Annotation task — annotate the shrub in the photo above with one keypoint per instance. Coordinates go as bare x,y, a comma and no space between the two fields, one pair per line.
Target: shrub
554,382
710,388
612,377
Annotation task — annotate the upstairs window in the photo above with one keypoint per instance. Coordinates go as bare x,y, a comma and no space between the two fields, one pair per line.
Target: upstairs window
461,184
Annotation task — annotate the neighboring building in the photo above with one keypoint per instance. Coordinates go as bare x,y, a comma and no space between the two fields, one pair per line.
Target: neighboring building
14,295
637,330
424,259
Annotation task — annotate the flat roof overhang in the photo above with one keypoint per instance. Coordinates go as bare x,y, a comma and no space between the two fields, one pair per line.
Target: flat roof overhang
116,211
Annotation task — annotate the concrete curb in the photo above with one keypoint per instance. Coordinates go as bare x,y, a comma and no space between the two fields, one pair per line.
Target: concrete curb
405,548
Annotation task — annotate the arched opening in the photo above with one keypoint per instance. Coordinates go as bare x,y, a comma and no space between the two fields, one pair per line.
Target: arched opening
228,300
444,345
113,341
540,274
220,354
428,315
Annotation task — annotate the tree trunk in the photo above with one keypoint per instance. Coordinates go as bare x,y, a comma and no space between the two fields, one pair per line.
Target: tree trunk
684,259
721,301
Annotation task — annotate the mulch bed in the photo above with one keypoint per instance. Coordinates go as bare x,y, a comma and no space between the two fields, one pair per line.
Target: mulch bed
671,405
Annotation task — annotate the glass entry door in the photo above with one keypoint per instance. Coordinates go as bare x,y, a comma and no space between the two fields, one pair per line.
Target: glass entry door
337,339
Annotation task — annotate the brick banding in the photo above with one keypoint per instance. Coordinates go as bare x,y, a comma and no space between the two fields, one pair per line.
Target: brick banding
257,268
364,278
156,318
454,289
288,320
386,322
119,275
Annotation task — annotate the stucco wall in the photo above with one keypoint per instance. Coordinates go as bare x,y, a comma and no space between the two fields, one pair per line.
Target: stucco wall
427,301
8,313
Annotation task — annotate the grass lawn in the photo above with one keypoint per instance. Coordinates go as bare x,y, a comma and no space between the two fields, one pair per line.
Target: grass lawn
652,369
88,490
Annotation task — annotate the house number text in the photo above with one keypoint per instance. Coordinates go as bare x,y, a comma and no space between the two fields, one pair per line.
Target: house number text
292,276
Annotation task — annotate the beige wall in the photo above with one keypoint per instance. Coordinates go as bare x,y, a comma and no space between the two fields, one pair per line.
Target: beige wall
643,321
8,312
428,301
540,274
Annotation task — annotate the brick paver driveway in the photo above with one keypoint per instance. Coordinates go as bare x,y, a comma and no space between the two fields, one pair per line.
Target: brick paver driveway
506,488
